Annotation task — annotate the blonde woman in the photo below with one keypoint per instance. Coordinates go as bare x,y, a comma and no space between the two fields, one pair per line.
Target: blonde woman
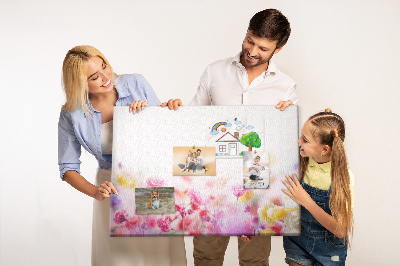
92,90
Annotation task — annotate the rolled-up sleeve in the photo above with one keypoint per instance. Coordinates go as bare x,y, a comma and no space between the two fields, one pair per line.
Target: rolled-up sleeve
291,94
202,96
151,96
69,149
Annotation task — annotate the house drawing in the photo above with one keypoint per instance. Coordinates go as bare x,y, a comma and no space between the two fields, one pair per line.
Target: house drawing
227,145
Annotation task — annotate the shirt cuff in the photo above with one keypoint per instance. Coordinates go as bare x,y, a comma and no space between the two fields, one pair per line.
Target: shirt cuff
71,166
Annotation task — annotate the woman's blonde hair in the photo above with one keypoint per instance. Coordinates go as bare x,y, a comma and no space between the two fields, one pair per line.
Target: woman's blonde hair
329,129
74,78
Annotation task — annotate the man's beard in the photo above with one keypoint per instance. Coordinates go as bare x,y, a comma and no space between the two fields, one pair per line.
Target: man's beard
260,61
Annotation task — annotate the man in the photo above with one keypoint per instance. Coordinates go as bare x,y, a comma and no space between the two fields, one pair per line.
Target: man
249,78
200,166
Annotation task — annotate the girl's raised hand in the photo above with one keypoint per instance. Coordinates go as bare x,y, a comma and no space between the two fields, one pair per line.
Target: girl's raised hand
104,191
172,104
295,191
137,106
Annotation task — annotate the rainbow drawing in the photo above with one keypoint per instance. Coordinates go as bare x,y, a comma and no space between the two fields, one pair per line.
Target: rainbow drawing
217,125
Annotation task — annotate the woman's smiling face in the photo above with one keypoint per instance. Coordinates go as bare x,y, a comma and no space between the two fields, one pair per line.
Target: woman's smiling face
98,75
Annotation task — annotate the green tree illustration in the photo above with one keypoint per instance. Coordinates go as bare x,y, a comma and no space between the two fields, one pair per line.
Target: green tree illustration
251,140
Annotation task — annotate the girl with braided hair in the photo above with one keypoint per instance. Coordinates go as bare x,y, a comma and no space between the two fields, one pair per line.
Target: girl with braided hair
325,193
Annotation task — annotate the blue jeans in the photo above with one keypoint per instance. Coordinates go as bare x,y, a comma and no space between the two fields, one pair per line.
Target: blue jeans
315,245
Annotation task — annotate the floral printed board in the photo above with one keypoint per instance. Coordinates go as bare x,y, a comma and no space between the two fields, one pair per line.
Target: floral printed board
143,146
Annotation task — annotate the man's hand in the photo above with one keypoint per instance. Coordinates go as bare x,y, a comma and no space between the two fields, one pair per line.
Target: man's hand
172,104
283,105
246,239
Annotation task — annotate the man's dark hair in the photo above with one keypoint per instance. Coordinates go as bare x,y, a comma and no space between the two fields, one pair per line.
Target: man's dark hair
270,24
198,150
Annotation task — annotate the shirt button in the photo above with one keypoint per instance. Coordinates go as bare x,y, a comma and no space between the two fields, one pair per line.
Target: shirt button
316,173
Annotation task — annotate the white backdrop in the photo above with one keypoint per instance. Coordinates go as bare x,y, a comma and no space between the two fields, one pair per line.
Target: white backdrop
343,55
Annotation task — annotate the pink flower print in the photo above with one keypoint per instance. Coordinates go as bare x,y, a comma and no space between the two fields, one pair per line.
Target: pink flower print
186,178
189,212
207,219
180,225
246,208
203,213
183,214
195,207
131,222
194,197
184,222
155,182
277,201
255,219
120,216
238,191
278,228
179,208
120,165
164,225
151,222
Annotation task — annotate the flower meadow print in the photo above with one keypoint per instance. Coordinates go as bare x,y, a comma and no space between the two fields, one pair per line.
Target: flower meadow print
203,205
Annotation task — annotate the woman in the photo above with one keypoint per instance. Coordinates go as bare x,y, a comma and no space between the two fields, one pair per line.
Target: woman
92,90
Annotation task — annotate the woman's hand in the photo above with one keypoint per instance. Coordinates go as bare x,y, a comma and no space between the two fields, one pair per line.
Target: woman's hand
172,104
246,239
137,106
296,192
104,191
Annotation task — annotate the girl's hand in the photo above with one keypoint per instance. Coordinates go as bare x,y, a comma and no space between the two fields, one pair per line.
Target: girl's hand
296,191
104,191
172,104
246,239
137,106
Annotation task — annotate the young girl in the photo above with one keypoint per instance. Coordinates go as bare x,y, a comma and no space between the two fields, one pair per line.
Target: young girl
325,194
92,90
188,160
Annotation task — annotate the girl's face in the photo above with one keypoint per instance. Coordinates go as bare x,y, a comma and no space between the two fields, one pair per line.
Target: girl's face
98,76
309,147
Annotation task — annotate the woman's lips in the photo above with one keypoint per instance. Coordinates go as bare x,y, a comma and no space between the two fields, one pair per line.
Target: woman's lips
107,84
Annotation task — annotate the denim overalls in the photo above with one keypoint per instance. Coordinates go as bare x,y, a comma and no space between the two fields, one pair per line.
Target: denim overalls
316,245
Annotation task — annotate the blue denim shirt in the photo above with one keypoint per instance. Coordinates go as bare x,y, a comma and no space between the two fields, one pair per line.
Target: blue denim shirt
75,129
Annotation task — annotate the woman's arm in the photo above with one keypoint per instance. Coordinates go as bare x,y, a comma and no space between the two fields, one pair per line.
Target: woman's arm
298,194
80,183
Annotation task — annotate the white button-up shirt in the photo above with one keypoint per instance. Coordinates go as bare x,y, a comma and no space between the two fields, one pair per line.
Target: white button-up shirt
226,82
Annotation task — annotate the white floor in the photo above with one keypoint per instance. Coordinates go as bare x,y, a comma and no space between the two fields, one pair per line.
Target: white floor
231,256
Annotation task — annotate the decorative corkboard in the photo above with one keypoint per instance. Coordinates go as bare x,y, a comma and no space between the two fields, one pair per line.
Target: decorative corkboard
143,157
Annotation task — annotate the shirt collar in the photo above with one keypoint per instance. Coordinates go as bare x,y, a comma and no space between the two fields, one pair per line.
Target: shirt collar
272,68
122,90
326,167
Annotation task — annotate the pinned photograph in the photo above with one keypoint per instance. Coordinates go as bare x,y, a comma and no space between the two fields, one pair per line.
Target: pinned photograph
255,170
155,200
233,136
194,161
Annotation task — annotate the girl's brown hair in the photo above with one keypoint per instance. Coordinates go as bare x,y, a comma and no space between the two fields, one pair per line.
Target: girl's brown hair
329,129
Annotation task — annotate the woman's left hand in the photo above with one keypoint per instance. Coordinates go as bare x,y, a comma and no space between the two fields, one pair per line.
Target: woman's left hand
172,104
295,191
137,106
